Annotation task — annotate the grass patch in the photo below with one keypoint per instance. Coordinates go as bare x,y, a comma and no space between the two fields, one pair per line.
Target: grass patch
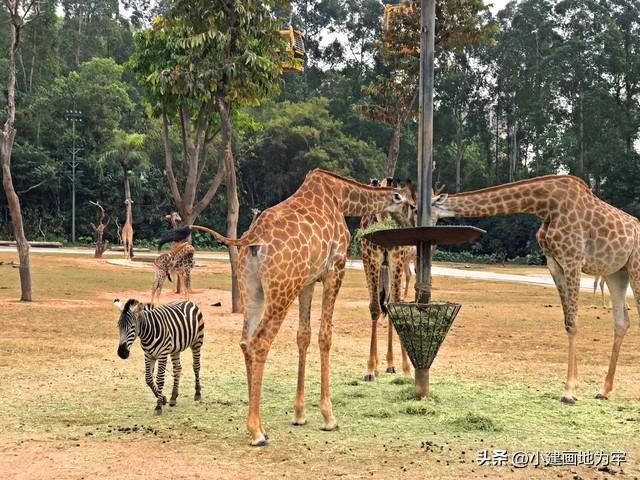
402,381
419,407
473,422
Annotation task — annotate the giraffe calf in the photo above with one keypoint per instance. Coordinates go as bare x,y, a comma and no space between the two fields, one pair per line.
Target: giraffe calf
178,260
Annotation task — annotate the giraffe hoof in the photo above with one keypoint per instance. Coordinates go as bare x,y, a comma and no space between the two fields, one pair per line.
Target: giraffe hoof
569,400
298,422
260,441
172,402
369,377
601,396
330,426
391,370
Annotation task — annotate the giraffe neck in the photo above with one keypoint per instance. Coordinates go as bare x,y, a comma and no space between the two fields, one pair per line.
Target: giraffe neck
128,210
537,197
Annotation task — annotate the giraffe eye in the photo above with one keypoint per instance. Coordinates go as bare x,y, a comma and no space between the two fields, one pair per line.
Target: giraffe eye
397,197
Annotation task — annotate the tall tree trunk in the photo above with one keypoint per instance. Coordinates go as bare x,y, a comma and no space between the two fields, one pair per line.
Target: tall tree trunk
394,149
460,147
6,146
233,207
580,165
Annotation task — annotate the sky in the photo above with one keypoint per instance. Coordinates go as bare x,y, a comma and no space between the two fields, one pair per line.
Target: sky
498,4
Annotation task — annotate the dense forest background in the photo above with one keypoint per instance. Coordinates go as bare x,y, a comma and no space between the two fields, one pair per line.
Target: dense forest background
555,88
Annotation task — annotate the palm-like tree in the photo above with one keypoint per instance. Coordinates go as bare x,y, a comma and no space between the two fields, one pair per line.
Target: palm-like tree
127,150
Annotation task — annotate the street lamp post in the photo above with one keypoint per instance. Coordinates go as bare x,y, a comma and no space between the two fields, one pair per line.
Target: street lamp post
74,116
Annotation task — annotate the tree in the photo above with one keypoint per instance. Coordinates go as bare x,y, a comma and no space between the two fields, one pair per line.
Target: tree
127,149
204,59
21,13
391,96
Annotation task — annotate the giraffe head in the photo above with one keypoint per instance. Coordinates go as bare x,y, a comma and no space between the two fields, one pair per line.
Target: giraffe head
403,206
439,208
127,324
173,217
128,202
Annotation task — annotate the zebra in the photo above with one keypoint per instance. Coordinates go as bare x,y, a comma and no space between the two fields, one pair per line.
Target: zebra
164,330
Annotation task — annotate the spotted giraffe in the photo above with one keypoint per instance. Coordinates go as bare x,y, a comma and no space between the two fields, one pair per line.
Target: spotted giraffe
383,270
178,260
579,233
288,249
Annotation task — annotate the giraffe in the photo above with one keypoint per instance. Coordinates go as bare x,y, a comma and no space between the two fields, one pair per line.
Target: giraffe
174,218
601,281
178,260
286,251
127,232
579,233
383,269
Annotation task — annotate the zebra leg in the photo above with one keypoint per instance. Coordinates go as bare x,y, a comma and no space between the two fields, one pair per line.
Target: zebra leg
162,400
149,365
196,369
177,370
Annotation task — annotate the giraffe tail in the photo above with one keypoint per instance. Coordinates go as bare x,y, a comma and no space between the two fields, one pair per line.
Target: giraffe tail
240,242
384,287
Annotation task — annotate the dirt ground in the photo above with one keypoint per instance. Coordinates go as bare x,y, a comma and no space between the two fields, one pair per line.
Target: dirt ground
70,409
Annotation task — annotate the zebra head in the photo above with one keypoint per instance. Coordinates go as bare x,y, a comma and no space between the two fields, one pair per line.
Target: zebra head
127,324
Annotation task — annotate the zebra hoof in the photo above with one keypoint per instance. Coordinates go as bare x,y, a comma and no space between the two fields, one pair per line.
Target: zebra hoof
164,400
158,410
197,397
172,402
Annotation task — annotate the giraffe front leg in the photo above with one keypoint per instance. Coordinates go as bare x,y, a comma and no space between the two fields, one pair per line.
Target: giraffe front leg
331,287
567,280
177,370
372,260
162,400
304,339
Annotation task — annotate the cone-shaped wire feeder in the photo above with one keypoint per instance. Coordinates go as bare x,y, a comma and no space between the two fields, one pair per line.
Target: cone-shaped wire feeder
422,327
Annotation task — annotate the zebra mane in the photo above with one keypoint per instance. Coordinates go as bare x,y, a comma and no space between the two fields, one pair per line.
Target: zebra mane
127,309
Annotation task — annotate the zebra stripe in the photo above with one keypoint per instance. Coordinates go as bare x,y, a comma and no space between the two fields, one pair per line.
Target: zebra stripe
164,331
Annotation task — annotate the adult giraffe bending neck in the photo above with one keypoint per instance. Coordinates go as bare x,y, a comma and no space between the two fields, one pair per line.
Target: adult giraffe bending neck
579,233
127,232
287,249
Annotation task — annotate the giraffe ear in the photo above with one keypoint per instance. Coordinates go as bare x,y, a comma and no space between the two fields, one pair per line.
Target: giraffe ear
439,200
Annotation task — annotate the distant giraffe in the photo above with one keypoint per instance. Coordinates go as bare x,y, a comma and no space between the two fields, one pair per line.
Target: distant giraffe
178,260
174,218
127,232
595,289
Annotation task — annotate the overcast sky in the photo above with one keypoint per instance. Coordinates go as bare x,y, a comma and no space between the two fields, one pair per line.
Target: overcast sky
498,4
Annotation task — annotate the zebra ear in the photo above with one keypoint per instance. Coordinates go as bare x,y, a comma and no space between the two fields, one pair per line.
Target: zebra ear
118,304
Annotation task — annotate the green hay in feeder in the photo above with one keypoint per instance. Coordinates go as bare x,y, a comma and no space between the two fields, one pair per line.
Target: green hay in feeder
386,224
422,328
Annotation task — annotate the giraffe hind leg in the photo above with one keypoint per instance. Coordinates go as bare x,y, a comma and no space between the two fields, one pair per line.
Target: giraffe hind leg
617,283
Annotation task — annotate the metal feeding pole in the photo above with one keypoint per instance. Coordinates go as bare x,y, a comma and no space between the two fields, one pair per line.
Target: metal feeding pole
74,116
423,325
425,147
